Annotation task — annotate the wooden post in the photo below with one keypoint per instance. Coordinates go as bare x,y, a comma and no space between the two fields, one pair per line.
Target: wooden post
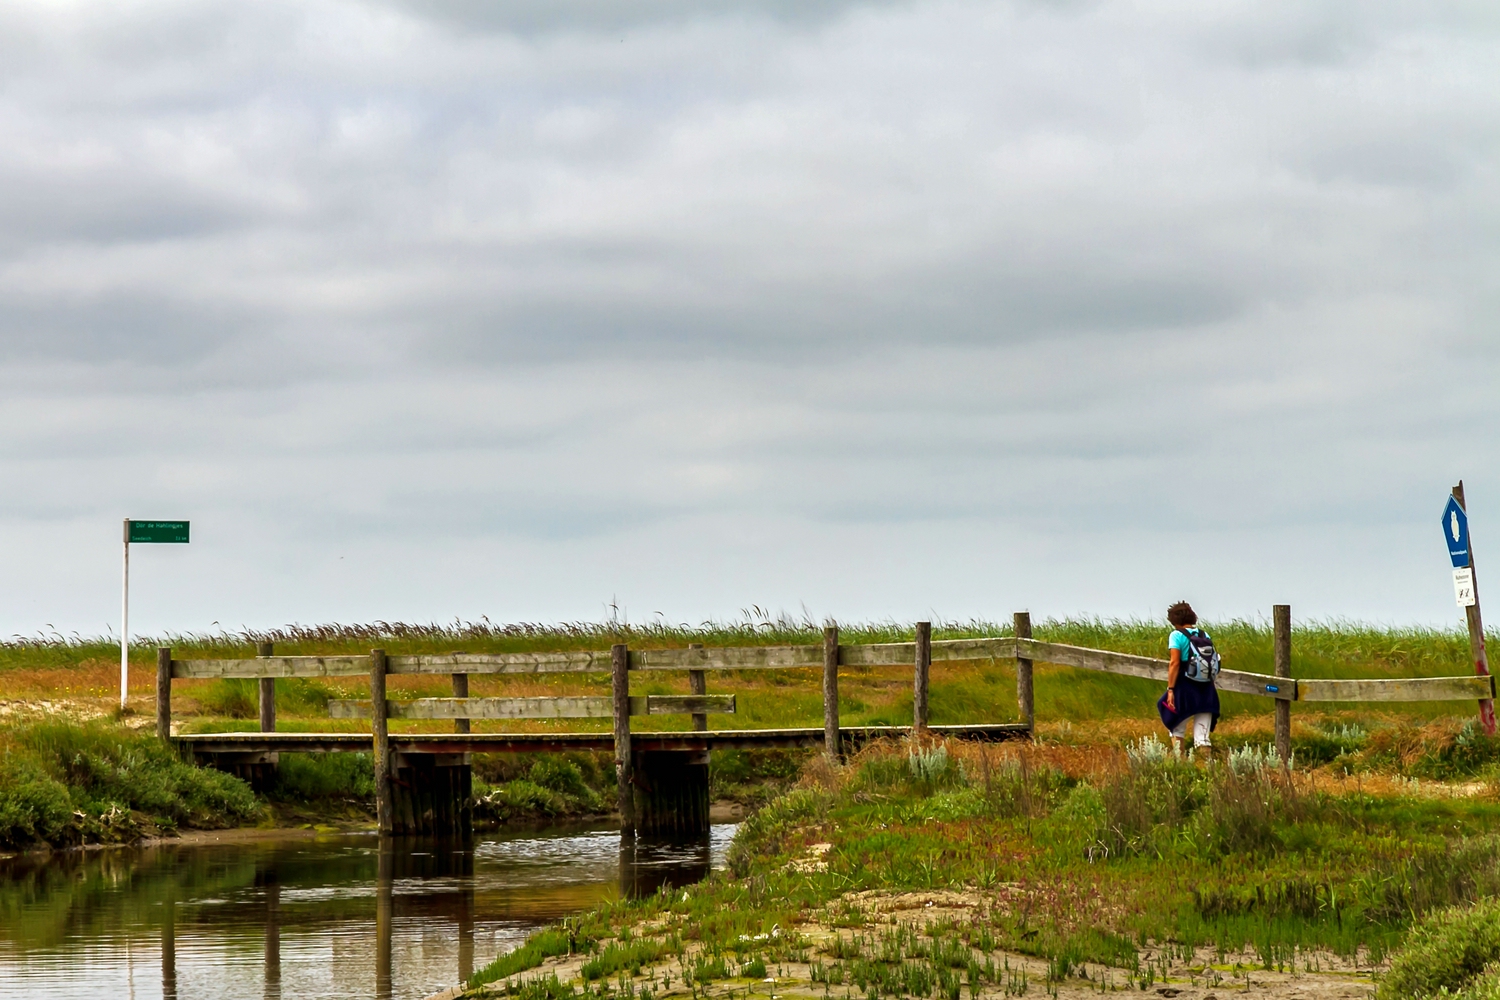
1025,693
831,692
619,664
460,690
920,677
169,948
385,915
164,692
267,693
698,684
1476,625
384,815
1281,654
272,981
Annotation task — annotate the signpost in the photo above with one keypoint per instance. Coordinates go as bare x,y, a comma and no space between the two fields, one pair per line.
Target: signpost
1466,591
145,532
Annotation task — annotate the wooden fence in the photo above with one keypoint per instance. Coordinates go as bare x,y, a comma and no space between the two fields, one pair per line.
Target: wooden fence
695,661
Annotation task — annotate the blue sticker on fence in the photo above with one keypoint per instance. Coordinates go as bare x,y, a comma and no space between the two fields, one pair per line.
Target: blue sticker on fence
1456,531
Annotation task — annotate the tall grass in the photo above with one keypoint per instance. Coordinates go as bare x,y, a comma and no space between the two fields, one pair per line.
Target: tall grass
1320,648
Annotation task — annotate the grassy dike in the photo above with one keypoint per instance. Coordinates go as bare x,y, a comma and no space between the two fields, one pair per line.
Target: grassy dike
952,871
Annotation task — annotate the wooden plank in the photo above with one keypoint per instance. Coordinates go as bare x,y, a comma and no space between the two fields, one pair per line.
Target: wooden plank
921,671
1281,659
698,684
1240,682
1025,691
728,658
594,661
1093,659
1396,689
881,654
535,708
1150,668
275,666
479,708
164,692
206,743
973,649
564,662
267,692
619,684
683,704
831,692
380,739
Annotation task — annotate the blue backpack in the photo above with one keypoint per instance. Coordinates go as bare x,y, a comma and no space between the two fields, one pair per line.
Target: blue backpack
1201,663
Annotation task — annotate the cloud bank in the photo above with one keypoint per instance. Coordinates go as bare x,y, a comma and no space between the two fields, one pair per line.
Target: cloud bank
436,309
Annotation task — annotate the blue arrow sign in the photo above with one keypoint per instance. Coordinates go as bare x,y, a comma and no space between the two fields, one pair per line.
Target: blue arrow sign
1456,530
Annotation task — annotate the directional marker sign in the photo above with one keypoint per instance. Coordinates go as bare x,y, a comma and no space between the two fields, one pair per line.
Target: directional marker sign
158,531
1456,531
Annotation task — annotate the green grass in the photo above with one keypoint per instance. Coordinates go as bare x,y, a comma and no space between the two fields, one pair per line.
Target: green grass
63,782
1123,873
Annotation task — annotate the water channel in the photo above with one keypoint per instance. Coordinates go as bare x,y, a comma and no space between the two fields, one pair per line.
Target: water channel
324,919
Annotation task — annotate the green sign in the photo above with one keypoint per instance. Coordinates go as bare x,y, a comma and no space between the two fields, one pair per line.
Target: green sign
158,531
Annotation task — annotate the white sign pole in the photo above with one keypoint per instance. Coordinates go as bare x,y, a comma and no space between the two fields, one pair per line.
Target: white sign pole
125,619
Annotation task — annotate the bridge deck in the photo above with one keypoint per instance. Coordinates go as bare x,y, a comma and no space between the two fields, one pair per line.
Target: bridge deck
232,743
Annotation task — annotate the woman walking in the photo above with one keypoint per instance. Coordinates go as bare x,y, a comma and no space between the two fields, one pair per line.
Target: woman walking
1191,696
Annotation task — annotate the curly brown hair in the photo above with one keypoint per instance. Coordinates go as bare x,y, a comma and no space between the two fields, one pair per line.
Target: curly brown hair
1181,615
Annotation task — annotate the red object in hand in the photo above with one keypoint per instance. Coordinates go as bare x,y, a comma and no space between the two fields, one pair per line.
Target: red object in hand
1171,700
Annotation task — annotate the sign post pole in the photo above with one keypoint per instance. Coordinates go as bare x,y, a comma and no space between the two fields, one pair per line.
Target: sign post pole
125,620
1466,592
139,531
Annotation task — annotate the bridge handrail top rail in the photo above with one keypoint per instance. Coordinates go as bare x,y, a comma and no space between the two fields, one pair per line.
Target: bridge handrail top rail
786,657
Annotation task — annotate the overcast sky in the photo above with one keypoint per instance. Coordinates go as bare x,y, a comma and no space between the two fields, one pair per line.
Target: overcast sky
424,310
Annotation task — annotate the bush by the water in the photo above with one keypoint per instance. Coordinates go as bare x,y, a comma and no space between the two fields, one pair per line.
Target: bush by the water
1450,952
64,782
319,777
554,786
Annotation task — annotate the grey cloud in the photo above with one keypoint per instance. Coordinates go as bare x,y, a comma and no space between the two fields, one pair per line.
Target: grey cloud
594,16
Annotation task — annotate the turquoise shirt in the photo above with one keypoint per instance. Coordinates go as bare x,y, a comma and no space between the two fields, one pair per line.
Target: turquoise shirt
1179,641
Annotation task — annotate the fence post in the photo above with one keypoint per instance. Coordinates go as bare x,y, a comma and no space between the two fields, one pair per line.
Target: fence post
698,684
919,679
384,813
1476,628
267,693
831,692
619,669
461,690
164,692
1281,653
1025,693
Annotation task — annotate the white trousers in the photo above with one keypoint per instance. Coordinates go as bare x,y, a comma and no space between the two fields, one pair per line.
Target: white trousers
1203,727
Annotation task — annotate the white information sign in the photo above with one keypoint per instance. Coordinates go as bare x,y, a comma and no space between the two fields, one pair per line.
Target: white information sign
1463,587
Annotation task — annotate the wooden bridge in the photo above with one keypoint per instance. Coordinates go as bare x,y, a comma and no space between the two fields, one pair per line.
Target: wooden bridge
423,781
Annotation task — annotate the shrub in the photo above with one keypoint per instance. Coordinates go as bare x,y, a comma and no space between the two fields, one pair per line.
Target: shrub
769,831
34,806
313,776
1446,950
107,774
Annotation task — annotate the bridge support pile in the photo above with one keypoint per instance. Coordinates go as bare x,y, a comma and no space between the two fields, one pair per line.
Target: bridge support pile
431,794
671,793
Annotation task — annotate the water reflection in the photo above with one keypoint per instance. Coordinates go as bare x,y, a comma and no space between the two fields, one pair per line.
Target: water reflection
333,918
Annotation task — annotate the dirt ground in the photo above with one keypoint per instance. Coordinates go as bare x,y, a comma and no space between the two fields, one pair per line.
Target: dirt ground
1206,976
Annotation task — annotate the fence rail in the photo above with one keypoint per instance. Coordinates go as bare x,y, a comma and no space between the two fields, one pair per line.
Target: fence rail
534,708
